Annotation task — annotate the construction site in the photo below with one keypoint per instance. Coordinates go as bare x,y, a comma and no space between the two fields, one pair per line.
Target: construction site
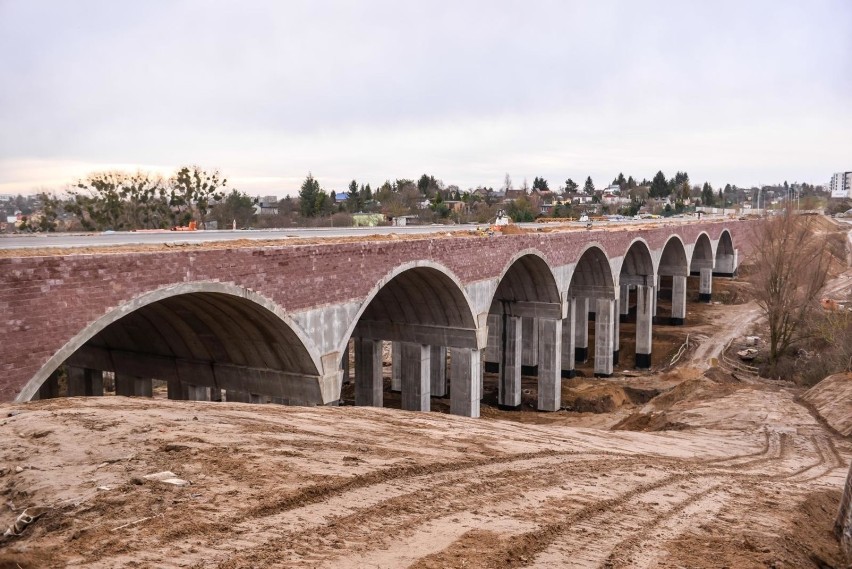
696,462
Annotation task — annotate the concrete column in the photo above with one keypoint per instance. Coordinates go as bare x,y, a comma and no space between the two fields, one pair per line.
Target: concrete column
50,388
438,371
644,325
396,366
494,349
616,321
368,372
624,302
193,392
604,336
85,382
529,346
132,386
415,376
568,340
234,396
466,378
678,300
581,330
344,365
256,398
705,286
175,390
549,365
656,293
509,395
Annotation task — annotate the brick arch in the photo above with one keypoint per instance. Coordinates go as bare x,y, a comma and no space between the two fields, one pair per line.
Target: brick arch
436,281
593,270
527,277
703,253
673,259
158,320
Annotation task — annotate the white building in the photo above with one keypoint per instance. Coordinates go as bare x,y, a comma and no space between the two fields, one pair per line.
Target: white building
841,185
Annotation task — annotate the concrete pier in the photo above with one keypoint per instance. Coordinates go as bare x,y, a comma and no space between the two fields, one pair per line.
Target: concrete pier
605,315
416,360
344,364
705,287
549,365
466,382
509,387
678,300
529,343
624,303
85,382
191,392
494,349
616,339
438,371
568,339
581,330
368,372
644,323
132,386
396,366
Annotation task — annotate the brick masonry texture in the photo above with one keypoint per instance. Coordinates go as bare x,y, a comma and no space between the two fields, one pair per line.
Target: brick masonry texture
45,301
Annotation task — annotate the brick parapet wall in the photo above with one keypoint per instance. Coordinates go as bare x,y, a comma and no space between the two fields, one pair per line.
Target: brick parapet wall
45,301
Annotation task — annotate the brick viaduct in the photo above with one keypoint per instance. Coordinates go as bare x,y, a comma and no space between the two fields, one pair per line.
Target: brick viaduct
275,323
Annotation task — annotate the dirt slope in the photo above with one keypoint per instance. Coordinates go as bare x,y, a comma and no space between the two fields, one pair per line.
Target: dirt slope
753,481
831,398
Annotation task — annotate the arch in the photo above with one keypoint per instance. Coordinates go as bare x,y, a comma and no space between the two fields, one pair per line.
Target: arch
637,261
725,259
423,277
703,256
592,274
673,260
527,277
200,321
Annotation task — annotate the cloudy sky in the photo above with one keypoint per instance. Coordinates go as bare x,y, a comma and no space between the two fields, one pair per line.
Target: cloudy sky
744,92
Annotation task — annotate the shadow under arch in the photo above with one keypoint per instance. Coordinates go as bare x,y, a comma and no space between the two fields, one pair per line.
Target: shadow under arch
525,331
703,256
422,309
230,334
725,259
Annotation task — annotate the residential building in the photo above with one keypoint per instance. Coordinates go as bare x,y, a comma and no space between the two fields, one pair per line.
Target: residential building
841,185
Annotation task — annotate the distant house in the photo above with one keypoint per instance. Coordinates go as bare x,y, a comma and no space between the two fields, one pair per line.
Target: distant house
340,197
512,195
266,208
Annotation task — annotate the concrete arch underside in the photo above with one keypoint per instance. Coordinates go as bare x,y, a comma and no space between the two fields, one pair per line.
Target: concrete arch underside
424,312
201,338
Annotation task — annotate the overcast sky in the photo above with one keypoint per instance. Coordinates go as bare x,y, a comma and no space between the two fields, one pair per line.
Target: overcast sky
744,92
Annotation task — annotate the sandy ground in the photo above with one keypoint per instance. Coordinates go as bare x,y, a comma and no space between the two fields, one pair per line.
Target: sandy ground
685,467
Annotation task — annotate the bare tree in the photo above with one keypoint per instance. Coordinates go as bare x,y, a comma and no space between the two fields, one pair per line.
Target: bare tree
789,273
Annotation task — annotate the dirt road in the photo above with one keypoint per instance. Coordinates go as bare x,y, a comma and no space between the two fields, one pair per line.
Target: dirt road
751,479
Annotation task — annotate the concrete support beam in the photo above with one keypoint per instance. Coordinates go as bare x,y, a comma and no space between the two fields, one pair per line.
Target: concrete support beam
416,359
624,301
726,265
466,378
568,339
605,315
581,330
438,371
132,386
368,372
550,364
509,387
233,396
705,286
417,333
678,300
616,346
644,325
529,346
396,366
195,392
85,382
294,388
494,347
527,309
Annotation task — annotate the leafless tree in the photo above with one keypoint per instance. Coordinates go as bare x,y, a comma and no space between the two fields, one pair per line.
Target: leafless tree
790,270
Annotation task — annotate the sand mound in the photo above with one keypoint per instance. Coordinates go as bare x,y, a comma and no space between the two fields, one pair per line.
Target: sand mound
831,398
